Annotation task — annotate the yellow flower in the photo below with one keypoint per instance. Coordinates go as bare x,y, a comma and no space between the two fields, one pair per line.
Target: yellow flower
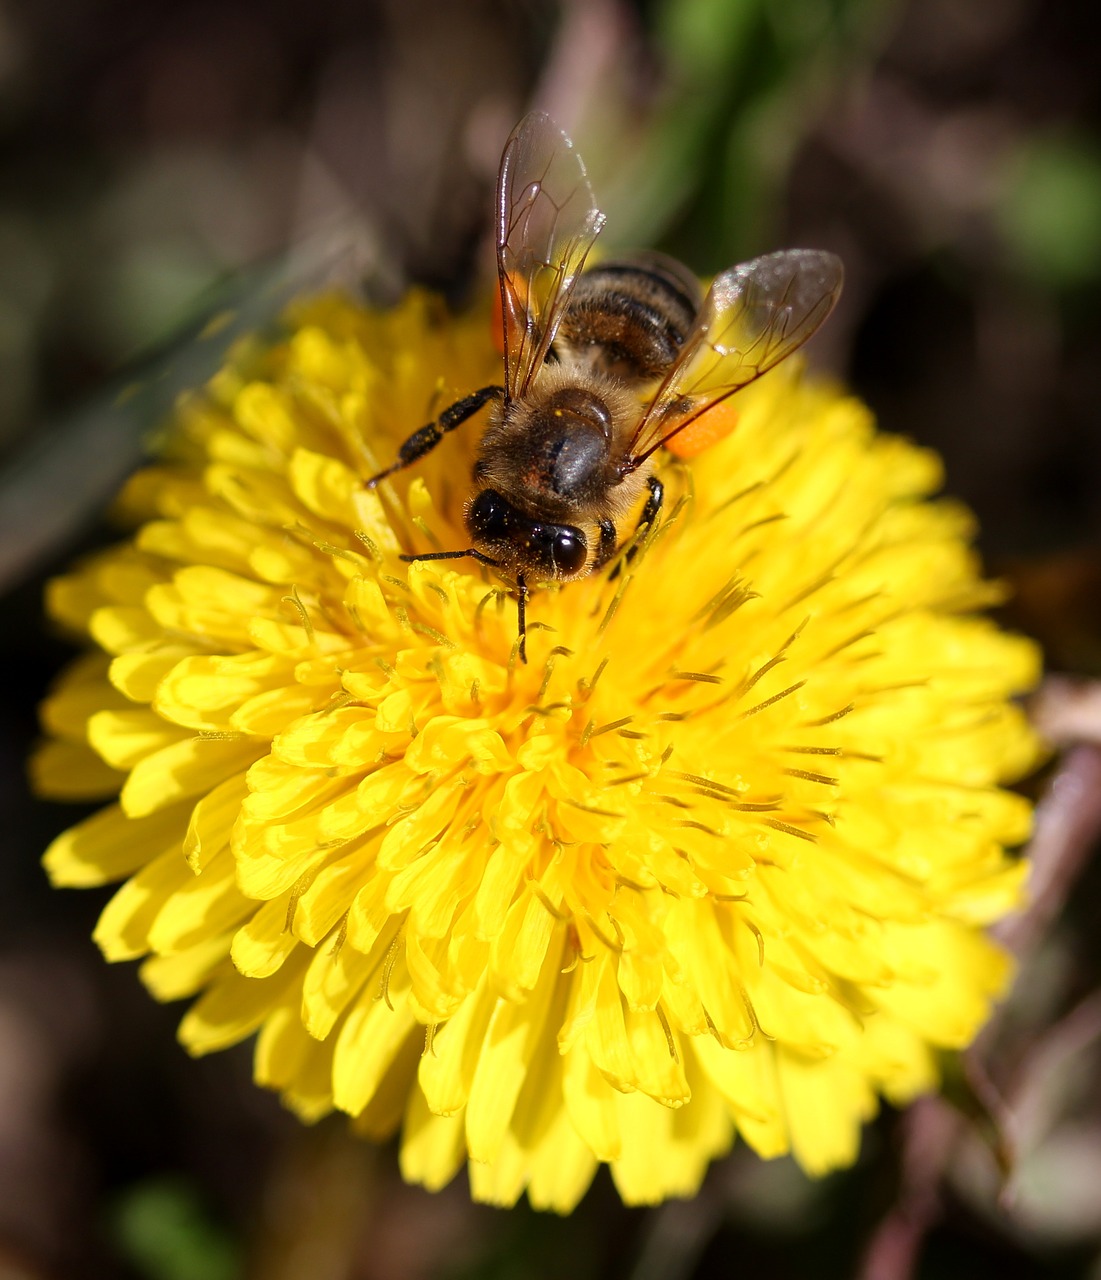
717,861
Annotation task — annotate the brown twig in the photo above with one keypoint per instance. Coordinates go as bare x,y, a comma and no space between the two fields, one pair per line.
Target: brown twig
930,1131
1068,822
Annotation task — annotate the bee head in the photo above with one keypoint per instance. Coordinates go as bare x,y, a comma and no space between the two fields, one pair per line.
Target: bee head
523,543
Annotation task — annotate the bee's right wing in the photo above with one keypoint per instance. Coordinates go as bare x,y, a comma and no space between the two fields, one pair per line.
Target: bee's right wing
547,221
754,316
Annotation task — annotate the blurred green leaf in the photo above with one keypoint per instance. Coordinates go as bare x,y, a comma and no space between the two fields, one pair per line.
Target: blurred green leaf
743,80
164,1231
1050,213
150,286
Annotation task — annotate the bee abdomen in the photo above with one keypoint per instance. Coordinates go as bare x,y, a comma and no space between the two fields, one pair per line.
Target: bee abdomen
635,315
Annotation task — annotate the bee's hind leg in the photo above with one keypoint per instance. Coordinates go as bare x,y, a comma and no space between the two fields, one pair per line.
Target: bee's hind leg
427,437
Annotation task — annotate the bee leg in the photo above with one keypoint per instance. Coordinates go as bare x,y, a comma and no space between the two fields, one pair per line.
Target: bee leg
646,520
427,437
522,615
653,505
606,549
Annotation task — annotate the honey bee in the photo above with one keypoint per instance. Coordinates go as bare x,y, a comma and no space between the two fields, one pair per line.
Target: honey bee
602,368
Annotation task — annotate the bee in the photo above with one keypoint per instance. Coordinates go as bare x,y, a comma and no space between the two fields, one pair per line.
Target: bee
603,367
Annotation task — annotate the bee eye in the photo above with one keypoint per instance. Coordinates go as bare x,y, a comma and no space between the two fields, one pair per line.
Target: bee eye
568,550
490,517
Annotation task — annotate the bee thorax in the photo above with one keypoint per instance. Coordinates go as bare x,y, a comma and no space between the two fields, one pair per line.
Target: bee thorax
555,450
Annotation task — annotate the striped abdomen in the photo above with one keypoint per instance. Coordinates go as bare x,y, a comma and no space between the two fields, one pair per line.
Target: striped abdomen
630,318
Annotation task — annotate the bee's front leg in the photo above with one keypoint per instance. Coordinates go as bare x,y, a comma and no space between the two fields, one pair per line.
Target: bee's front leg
522,615
425,439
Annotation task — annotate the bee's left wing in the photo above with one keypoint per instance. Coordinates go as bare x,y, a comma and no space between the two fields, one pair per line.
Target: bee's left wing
754,316
547,220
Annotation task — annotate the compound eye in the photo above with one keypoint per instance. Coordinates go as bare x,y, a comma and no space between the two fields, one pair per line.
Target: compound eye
490,517
569,550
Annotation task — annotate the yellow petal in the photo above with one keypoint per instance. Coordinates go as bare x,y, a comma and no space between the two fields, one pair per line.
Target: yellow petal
79,694
204,692
662,1156
212,821
826,1103
324,486
748,1081
289,1060
72,771
591,1103
234,1007
383,1114
123,929
447,1069
207,905
123,738
186,768
368,1043
137,675
338,974
109,846
264,941
185,972
433,1147
514,1034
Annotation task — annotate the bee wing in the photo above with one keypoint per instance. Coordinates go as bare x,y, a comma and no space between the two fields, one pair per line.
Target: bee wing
547,221
753,317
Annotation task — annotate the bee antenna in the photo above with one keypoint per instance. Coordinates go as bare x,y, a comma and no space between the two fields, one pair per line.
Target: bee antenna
452,555
522,592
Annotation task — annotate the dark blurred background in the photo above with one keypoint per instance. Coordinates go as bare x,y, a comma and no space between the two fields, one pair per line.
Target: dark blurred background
162,156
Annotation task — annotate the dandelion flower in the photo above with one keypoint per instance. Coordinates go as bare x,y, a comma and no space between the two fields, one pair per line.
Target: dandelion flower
715,862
